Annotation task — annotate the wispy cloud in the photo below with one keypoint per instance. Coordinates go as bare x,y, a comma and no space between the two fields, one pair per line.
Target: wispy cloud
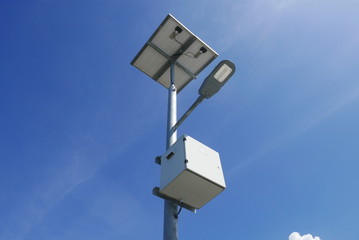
254,21
326,110
339,104
283,4
334,62
32,207
69,170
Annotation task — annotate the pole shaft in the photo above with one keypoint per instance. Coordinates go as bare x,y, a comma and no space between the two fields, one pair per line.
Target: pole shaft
172,111
170,231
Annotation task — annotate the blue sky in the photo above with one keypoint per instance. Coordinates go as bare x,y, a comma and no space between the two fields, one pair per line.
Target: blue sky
80,126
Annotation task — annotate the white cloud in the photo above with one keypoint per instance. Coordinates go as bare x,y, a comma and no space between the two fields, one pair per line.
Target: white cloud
297,236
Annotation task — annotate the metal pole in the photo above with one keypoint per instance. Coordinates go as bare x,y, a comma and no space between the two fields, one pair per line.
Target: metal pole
170,231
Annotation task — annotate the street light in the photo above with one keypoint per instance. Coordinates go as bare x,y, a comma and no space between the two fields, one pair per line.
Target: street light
218,77
173,57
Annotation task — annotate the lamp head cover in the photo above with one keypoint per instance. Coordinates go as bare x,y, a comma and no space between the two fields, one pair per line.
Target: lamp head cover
218,77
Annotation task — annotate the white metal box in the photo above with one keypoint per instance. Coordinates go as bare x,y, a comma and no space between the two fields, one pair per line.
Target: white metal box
191,173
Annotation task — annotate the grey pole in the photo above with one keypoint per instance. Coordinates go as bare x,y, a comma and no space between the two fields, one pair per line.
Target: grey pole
170,231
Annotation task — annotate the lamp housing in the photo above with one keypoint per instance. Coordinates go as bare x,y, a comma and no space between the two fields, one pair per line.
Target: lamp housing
218,77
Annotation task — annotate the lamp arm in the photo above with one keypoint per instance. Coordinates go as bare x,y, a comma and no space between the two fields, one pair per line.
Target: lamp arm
189,111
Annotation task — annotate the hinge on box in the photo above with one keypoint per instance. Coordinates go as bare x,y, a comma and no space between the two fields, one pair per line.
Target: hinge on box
158,160
170,155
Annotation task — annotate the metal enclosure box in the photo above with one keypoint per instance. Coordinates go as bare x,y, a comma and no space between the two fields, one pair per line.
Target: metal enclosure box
191,173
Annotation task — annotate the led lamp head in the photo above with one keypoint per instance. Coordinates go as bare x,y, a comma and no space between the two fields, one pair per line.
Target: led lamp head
218,77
